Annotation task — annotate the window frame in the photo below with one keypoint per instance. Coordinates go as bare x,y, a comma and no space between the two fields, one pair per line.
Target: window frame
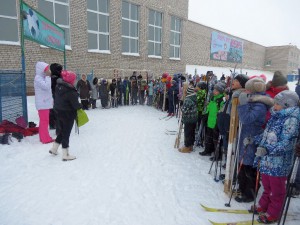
154,26
98,50
2,42
67,47
130,52
173,45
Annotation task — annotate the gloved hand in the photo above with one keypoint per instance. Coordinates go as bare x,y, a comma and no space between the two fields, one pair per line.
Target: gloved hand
297,149
243,98
261,151
248,141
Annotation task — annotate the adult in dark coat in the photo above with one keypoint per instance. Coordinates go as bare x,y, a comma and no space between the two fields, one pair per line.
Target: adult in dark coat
134,91
103,93
172,97
83,86
252,111
55,74
66,105
113,93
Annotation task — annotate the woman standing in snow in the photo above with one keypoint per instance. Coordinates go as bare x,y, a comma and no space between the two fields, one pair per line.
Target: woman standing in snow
43,99
66,105
252,111
83,86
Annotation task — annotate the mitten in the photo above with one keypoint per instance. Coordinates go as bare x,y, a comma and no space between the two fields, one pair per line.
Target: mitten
261,151
247,141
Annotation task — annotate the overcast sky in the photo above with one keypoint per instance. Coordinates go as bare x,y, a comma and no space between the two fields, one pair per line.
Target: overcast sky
266,22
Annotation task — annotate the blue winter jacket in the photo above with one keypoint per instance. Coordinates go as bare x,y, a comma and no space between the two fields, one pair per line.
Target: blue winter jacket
252,117
279,139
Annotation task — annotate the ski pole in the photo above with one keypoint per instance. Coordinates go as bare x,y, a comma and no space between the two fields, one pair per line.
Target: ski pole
290,185
238,171
255,194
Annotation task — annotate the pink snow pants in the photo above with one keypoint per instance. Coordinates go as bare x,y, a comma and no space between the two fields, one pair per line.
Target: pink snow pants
44,125
273,196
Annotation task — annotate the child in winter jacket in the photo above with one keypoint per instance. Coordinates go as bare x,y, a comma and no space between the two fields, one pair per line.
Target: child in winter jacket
252,111
113,93
66,105
43,99
189,119
274,154
94,90
212,132
201,97
150,93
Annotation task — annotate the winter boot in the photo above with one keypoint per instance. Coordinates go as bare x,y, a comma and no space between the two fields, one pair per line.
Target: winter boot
257,210
54,148
266,218
186,149
66,156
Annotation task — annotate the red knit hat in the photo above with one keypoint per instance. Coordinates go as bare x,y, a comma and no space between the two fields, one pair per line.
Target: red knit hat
68,76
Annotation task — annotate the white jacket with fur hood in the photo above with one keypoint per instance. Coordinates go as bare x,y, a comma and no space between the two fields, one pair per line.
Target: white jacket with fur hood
42,87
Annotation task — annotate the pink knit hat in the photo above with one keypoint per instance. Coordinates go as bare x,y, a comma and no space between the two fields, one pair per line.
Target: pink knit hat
68,76
262,76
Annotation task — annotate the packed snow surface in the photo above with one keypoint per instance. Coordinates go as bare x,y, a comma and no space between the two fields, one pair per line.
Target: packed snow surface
127,172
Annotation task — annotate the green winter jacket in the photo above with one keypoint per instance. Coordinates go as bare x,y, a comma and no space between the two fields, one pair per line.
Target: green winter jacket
213,108
201,96
189,109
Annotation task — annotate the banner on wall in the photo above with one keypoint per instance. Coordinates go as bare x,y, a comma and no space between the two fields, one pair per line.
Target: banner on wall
226,48
39,29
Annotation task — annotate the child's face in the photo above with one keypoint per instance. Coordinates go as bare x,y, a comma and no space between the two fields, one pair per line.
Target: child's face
277,107
226,96
216,92
197,89
235,84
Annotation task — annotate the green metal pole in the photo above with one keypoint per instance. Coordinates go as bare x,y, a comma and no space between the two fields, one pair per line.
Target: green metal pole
65,58
24,96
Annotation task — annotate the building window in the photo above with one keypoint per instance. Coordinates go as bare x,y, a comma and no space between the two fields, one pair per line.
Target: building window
98,25
154,35
130,28
268,63
8,22
57,11
175,38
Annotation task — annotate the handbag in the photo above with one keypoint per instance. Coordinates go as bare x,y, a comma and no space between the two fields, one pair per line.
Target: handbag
82,117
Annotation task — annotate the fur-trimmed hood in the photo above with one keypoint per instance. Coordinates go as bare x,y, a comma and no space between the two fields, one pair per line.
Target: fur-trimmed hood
263,99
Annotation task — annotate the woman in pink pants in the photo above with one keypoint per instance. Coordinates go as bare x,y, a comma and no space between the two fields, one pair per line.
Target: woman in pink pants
43,99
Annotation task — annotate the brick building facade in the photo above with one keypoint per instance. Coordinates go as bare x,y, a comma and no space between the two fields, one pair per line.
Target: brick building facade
194,43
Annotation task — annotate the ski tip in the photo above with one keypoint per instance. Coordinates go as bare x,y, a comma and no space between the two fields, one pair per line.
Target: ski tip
212,222
205,207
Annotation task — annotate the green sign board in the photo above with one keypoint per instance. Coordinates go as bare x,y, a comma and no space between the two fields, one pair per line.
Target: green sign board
41,30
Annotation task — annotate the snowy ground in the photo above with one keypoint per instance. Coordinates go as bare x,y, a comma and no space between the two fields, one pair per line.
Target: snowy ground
126,173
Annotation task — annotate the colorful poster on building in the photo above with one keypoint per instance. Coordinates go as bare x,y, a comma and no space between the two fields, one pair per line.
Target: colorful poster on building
41,30
226,48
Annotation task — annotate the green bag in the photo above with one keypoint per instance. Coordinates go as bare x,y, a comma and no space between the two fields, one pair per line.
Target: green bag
82,118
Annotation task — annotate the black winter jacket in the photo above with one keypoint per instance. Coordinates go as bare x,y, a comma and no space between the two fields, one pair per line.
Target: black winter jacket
66,97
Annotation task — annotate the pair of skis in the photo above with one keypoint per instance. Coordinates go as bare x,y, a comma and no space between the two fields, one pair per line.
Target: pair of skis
234,211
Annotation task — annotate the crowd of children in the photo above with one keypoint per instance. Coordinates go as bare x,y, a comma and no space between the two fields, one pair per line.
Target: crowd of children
268,115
